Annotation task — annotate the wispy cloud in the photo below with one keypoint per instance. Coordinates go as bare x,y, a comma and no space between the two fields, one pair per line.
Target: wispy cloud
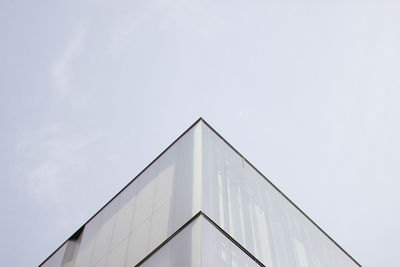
60,71
44,181
123,33
54,154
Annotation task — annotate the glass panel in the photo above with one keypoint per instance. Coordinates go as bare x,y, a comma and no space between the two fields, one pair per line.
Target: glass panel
218,250
182,250
199,244
64,256
255,214
56,259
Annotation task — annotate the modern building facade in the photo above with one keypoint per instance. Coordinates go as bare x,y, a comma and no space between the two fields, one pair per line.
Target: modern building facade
200,203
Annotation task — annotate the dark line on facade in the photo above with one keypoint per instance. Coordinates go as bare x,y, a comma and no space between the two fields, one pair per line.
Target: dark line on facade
168,239
200,213
232,239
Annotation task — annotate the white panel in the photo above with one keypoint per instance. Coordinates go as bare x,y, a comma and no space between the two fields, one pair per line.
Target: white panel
160,225
117,256
123,221
138,243
56,259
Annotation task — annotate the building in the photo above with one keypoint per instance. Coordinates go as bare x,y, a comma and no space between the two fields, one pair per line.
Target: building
200,203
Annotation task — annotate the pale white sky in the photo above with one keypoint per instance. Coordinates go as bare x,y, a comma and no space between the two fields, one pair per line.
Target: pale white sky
92,91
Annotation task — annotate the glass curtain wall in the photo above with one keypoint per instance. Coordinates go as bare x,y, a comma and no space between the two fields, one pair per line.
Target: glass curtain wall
249,222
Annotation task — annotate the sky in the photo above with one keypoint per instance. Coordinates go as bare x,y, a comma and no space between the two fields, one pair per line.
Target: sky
92,91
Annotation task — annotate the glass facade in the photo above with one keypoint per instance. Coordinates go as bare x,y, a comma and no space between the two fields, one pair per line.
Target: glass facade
203,245
200,203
